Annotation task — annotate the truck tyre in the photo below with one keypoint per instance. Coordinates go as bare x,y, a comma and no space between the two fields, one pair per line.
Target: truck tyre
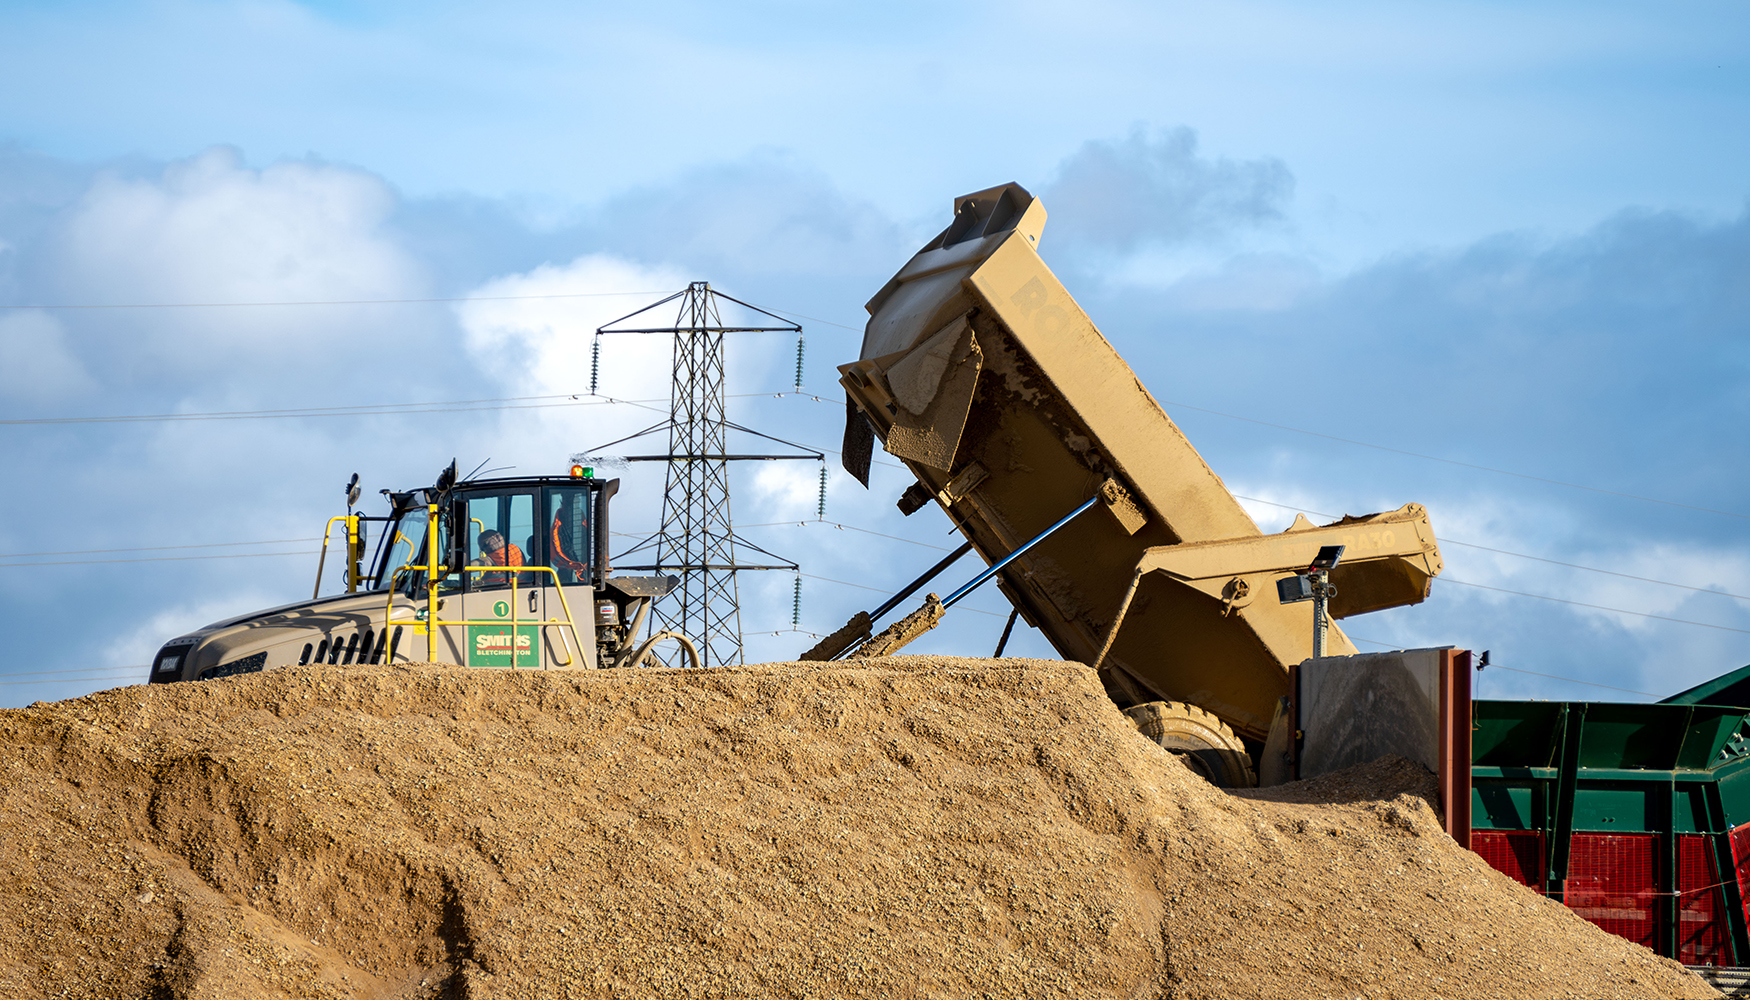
1204,743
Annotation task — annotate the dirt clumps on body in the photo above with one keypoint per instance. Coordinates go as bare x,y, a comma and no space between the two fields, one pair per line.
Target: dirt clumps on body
911,827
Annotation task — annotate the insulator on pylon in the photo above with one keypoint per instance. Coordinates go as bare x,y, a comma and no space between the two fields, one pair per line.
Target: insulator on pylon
820,504
796,604
595,361
799,347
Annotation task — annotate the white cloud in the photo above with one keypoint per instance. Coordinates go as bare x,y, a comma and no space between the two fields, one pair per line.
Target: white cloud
786,491
211,230
533,332
35,364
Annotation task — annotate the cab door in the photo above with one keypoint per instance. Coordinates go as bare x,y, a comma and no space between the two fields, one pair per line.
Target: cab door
569,538
503,600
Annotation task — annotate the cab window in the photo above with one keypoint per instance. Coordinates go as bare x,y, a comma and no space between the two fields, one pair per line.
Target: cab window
567,530
405,540
500,531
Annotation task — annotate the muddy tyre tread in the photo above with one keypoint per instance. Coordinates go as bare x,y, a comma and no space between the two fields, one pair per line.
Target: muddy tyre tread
1198,738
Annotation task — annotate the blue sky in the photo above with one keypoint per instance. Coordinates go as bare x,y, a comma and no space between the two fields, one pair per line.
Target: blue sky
1508,237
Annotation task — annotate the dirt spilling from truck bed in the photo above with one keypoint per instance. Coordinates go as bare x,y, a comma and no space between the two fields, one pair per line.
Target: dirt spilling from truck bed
913,827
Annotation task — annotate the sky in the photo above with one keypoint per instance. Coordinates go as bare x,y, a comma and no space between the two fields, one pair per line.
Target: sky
1490,258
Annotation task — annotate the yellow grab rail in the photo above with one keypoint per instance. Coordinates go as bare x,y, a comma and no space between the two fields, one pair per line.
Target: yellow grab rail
567,623
355,551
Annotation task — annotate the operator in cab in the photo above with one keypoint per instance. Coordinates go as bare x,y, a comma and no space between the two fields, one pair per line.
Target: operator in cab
495,551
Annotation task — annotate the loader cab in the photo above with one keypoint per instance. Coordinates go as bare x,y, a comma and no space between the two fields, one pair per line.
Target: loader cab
516,557
542,522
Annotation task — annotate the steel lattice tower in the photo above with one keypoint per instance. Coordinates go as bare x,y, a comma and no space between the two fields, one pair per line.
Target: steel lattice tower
696,539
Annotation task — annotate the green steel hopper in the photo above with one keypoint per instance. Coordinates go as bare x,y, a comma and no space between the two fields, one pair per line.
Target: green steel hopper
1637,817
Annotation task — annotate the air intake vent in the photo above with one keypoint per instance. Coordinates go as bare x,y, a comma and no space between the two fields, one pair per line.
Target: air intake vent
247,665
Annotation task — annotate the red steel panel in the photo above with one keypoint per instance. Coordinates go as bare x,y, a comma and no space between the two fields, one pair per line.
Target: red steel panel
1740,839
1612,881
1517,854
1456,720
1701,931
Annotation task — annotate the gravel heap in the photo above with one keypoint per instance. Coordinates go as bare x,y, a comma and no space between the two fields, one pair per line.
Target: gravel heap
914,827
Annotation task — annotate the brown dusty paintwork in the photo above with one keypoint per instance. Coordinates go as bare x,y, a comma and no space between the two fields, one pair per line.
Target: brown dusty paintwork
1055,415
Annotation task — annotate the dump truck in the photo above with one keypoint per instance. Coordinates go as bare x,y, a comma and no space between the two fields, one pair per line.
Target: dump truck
1107,531
506,572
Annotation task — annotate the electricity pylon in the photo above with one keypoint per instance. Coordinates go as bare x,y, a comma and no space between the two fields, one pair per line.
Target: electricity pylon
696,540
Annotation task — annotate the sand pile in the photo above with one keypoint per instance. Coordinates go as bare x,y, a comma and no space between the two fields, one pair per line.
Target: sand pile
914,827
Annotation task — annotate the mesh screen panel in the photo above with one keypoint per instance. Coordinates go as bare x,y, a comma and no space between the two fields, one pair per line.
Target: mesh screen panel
1612,882
1517,854
1701,933
1741,863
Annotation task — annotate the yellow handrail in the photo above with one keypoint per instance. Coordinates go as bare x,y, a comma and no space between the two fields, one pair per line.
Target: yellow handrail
567,623
354,551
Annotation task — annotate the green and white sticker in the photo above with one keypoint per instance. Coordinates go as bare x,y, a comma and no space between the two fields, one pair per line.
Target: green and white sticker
501,609
497,646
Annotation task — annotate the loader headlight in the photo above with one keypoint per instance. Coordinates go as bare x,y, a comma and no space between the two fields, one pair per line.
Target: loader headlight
167,665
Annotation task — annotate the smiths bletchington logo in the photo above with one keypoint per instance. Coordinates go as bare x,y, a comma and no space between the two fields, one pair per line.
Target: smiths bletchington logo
501,643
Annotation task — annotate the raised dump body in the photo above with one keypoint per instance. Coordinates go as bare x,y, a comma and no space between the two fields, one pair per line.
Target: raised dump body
981,372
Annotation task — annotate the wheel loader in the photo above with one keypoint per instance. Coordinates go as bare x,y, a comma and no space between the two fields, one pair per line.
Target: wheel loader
482,573
1099,521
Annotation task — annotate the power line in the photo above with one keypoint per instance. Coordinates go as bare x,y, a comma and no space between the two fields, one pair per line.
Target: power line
1594,569
324,302
1450,461
847,527
70,680
1497,666
393,409
109,562
1595,607
1573,680
780,393
808,396
97,673
883,590
811,319
385,302
155,548
360,410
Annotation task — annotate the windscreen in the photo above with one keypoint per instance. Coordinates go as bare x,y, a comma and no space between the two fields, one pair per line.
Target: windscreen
406,556
406,545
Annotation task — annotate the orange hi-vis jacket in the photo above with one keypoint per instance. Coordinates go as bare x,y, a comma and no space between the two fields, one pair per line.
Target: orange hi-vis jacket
509,555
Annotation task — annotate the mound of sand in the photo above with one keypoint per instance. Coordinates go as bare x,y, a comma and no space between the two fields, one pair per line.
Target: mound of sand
913,827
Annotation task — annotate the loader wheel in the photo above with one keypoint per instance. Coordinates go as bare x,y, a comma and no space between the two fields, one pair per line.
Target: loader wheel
1204,743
